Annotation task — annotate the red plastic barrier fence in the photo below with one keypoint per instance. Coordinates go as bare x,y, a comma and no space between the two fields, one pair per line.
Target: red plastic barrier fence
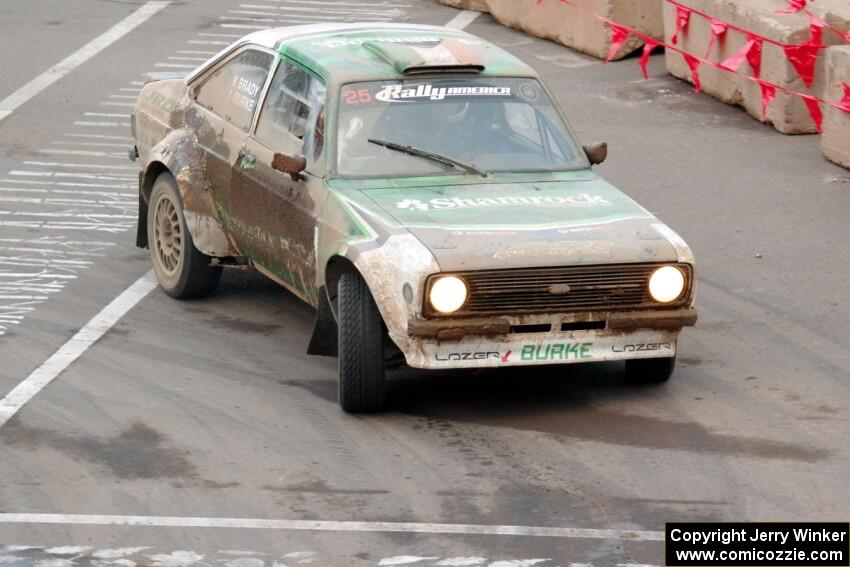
802,56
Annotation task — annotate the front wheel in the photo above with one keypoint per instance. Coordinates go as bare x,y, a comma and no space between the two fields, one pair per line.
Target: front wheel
361,347
181,269
650,370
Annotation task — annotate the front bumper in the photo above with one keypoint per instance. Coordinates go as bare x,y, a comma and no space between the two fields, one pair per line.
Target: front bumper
532,350
497,342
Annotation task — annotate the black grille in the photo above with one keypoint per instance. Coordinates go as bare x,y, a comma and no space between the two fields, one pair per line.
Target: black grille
556,290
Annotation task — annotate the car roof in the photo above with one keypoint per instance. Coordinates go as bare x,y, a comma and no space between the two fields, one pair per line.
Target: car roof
343,53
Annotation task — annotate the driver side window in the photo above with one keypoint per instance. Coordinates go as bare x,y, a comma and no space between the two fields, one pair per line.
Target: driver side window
232,91
292,118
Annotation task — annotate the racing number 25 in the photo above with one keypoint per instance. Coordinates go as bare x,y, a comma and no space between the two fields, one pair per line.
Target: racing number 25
360,96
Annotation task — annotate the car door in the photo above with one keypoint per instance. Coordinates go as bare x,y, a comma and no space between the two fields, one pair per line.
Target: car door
226,101
283,207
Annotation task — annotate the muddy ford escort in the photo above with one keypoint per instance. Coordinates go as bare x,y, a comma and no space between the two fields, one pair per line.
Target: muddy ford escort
421,189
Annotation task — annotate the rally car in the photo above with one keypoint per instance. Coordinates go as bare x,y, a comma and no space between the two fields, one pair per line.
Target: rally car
421,189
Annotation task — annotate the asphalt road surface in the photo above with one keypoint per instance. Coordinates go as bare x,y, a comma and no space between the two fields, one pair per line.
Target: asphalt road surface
200,433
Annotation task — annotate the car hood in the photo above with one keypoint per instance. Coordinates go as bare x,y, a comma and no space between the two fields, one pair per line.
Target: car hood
528,224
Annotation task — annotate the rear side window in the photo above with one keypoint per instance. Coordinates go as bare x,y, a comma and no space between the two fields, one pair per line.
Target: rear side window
234,90
292,119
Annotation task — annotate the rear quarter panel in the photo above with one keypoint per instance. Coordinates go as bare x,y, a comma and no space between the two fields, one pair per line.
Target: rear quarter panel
159,109
166,132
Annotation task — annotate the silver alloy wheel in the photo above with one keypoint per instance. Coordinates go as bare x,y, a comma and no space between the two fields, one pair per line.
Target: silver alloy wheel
183,271
168,235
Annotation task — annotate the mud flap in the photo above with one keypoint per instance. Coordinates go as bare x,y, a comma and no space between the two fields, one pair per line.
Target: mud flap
324,341
142,227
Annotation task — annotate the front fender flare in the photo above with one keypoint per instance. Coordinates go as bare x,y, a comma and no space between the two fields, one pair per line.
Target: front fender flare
395,271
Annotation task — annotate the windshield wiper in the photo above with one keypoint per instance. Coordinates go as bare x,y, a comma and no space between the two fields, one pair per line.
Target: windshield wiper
439,158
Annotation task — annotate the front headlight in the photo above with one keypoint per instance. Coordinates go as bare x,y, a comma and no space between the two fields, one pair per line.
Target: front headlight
667,284
448,294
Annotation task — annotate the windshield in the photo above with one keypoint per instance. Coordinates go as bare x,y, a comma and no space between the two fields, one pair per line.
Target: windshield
493,125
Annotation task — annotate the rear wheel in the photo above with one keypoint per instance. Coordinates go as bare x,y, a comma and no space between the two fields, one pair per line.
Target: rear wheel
182,271
361,347
650,370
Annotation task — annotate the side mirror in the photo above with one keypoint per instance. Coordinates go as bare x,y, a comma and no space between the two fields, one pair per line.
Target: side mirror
293,165
596,153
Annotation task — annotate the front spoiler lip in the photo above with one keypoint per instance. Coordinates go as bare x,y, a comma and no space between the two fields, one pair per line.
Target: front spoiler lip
459,329
662,320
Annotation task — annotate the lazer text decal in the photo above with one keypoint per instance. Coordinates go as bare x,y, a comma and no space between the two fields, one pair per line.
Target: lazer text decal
468,356
642,347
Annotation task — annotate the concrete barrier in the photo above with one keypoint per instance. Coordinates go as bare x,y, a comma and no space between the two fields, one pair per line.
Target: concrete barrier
836,124
787,113
574,26
478,5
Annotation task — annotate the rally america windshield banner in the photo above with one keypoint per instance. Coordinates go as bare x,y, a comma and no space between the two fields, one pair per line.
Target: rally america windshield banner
400,93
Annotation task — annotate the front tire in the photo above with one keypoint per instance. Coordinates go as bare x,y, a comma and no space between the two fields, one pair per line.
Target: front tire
182,270
361,347
650,370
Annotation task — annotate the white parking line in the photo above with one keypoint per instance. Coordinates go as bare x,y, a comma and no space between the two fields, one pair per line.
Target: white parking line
99,136
90,144
174,66
59,246
254,13
12,102
124,205
102,124
71,350
245,27
462,20
326,526
87,153
35,275
69,555
58,261
208,42
110,177
41,182
112,228
246,19
80,165
107,114
233,36
65,215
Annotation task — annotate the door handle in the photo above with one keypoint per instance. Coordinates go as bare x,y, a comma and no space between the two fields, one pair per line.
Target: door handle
246,159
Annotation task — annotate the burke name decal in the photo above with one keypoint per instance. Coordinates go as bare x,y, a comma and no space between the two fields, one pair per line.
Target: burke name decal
557,351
